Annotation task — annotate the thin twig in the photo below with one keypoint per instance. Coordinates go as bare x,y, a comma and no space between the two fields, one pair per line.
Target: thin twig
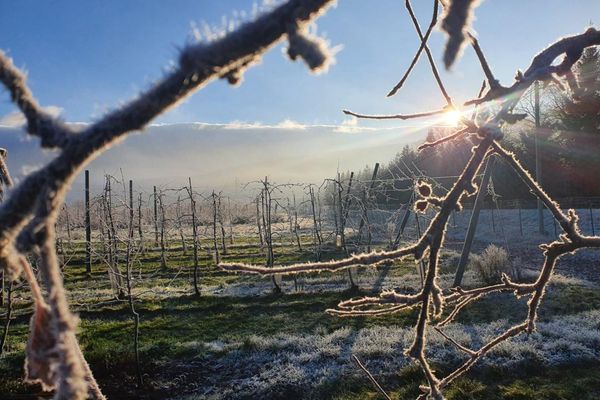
419,51
371,378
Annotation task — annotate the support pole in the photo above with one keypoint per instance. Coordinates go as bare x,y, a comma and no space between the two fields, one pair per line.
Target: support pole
538,163
464,257
155,218
88,226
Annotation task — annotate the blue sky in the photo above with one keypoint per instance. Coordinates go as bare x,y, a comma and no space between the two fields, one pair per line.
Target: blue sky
86,57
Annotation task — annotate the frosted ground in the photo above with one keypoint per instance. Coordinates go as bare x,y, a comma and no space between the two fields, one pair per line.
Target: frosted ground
262,366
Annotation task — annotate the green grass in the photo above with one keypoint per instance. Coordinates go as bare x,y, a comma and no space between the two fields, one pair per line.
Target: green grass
174,328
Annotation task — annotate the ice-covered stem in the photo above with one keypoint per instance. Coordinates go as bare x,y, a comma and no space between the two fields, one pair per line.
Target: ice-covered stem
396,116
434,69
52,132
456,22
371,378
430,298
542,67
456,135
387,302
312,49
492,82
424,39
368,259
39,197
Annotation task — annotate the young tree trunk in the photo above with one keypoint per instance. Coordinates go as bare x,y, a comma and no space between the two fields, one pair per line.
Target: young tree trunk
215,245
221,224
267,223
258,218
179,216
344,211
68,226
365,199
140,228
112,242
296,226
194,237
134,313
317,234
230,220
338,244
163,223
342,232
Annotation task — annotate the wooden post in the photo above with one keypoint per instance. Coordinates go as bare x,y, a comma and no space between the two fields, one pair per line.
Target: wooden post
155,218
366,196
404,221
592,220
464,257
538,161
422,262
88,226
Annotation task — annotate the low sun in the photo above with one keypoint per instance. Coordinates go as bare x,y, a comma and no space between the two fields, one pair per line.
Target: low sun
452,117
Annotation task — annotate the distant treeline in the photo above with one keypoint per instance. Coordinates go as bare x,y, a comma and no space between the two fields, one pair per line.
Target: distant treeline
568,147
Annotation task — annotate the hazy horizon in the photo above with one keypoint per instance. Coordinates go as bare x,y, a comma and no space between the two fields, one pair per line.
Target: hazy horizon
225,156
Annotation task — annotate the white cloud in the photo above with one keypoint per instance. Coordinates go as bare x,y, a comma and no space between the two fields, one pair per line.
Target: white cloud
28,169
349,125
290,124
16,118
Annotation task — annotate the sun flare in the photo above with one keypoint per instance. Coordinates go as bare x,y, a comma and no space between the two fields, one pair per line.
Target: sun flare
452,117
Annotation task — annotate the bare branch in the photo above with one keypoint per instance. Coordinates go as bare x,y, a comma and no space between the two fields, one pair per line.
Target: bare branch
434,69
424,40
456,22
371,378
397,116
39,123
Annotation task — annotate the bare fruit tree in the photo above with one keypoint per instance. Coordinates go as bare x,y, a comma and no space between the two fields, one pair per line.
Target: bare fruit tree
438,307
28,216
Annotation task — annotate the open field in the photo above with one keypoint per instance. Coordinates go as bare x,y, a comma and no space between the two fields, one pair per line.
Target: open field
241,340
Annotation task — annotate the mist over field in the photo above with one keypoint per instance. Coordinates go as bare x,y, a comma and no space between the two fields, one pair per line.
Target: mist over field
225,156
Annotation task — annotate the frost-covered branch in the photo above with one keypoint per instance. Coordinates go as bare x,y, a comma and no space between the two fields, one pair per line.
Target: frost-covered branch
27,218
437,309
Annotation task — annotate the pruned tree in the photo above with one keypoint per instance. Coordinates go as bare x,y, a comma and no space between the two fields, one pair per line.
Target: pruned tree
128,279
438,307
162,216
195,239
27,218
